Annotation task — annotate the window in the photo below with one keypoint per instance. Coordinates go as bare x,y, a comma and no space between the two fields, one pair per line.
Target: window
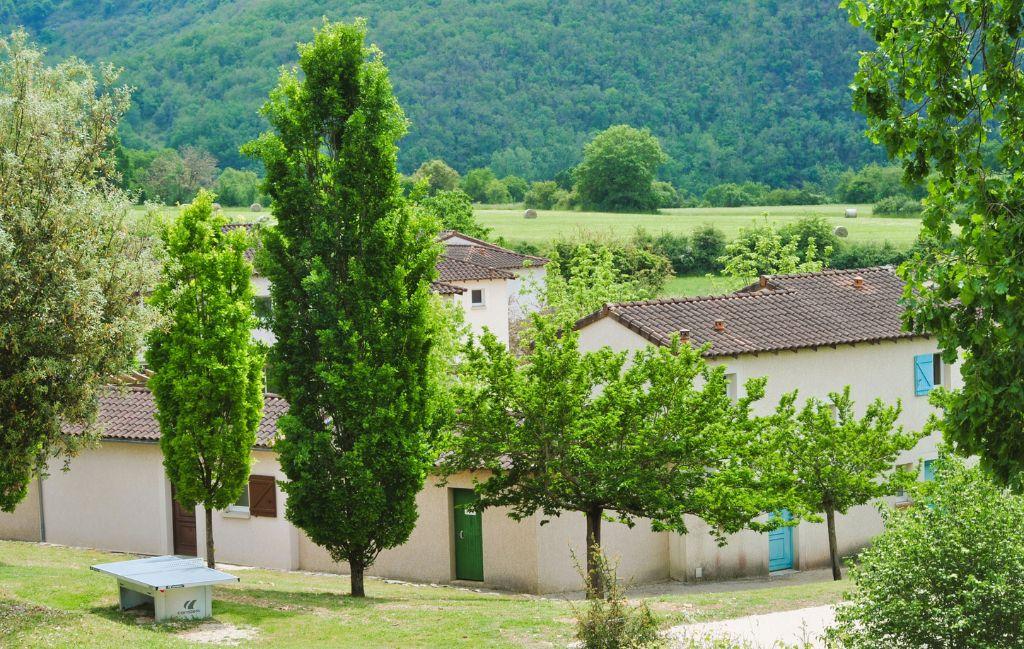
261,308
476,297
731,387
929,470
263,496
241,506
927,373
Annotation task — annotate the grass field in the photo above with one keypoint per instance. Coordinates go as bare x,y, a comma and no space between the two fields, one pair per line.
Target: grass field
50,598
511,225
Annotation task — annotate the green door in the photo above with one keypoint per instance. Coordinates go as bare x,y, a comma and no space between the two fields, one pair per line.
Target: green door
469,538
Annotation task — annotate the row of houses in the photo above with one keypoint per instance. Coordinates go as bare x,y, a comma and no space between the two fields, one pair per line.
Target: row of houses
814,333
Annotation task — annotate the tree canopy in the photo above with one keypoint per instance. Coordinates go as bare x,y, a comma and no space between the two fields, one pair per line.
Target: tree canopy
618,171
942,88
350,264
72,262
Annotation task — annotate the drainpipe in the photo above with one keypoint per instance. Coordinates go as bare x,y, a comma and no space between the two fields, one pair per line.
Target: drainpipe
42,513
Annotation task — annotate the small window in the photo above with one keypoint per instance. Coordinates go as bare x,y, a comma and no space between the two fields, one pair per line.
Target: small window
263,496
927,373
261,308
929,470
731,387
241,506
476,297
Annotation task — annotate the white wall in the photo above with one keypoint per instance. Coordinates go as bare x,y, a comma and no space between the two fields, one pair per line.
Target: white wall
253,540
114,497
526,291
23,523
493,315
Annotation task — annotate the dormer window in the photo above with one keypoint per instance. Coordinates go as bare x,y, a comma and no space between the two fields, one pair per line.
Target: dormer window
476,298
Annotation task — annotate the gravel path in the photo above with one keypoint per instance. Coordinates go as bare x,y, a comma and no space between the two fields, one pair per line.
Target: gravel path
803,625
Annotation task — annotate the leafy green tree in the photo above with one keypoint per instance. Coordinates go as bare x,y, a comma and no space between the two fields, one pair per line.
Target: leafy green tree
839,461
72,263
618,170
237,187
736,194
517,187
946,572
542,195
350,265
944,81
439,176
513,161
454,211
476,182
760,250
873,182
811,233
608,436
666,194
497,193
208,370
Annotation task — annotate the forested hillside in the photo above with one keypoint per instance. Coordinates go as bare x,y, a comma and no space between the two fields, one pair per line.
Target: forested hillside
736,89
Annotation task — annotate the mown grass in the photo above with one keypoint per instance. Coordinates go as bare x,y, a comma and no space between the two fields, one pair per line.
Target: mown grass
50,598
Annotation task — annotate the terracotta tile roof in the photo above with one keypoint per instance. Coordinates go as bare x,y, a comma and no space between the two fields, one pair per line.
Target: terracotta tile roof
485,253
251,228
781,312
128,413
454,270
442,288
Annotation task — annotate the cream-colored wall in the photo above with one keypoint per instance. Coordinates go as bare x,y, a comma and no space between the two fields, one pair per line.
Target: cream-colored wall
114,497
253,540
23,523
261,288
509,548
525,291
641,554
884,370
495,312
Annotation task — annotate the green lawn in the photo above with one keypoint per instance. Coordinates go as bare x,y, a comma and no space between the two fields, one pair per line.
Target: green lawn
510,224
49,597
690,285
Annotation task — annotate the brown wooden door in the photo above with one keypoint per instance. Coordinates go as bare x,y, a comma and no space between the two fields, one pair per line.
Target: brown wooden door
184,524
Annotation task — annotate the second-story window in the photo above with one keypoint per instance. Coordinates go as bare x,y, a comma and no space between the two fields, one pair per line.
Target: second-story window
262,307
927,373
476,297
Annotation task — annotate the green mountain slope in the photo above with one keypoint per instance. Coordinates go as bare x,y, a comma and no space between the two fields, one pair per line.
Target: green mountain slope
736,89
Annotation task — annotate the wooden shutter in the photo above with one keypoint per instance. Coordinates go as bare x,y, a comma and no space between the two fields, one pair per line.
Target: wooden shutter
262,496
924,374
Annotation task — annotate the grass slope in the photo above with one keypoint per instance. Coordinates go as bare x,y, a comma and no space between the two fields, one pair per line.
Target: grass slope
49,597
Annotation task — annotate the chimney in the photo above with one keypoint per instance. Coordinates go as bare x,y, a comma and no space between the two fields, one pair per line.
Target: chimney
719,326
858,282
763,281
684,335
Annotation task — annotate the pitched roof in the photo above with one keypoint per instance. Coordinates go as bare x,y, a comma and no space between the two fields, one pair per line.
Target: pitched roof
485,253
442,288
455,270
781,312
129,413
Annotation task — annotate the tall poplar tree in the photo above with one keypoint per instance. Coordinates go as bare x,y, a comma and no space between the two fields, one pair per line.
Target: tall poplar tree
208,370
350,265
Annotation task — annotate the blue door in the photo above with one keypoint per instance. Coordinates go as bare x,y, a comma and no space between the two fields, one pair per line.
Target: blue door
780,546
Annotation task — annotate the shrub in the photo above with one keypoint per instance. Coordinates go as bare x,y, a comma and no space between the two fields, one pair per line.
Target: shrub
439,176
873,182
517,187
862,255
542,195
475,183
707,245
665,194
496,192
236,187
947,572
898,206
454,211
611,622
794,197
647,269
565,200
736,195
806,229
674,247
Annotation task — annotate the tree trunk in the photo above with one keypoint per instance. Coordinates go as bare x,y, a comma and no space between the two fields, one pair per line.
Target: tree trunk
209,537
594,571
833,547
356,579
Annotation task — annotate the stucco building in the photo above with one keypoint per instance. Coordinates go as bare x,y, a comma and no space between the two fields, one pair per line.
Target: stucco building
814,333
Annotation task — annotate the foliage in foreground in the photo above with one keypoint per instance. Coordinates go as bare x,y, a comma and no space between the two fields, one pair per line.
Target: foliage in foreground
947,572
608,620
350,264
208,370
71,265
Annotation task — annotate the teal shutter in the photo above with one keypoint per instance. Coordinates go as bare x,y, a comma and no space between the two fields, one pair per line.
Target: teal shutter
929,470
924,374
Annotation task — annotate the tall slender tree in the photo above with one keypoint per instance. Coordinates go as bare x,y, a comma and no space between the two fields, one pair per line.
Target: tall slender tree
71,266
208,370
350,265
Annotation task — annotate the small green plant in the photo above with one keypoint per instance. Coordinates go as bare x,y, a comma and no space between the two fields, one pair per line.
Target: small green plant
610,621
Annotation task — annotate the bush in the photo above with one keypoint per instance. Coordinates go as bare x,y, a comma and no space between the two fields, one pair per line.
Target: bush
665,194
873,182
454,211
807,228
707,244
237,188
898,206
496,193
736,195
542,195
476,182
644,267
674,247
947,572
565,200
794,197
863,255
610,621
517,187
439,176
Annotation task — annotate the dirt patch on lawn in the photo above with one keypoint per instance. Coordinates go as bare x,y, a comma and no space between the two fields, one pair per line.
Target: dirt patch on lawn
218,633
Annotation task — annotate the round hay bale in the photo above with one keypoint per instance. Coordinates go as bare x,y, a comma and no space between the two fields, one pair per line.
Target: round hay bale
530,214
851,212
255,207
216,206
841,232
